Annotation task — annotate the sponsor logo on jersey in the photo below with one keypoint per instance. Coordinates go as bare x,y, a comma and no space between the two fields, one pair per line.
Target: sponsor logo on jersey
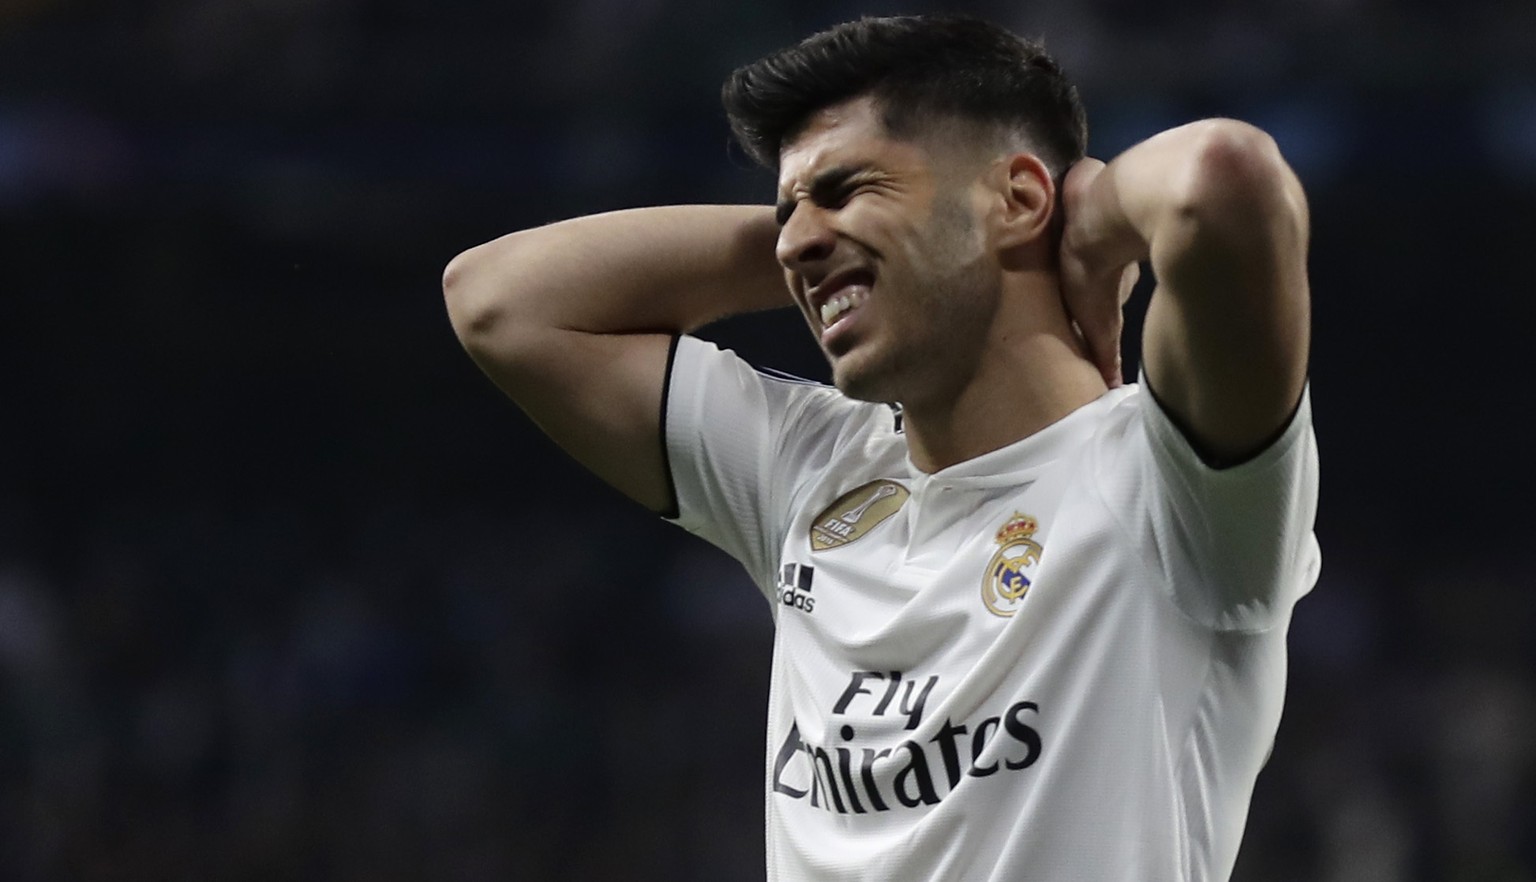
795,586
1012,569
893,772
855,513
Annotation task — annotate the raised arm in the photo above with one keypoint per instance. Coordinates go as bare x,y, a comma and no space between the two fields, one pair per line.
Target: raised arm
573,321
1223,221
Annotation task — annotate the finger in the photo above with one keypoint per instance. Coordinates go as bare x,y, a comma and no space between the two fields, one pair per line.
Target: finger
1128,279
1103,339
1099,323
1092,305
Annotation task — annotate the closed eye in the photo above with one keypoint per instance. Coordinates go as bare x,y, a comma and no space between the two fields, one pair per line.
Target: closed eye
837,195
838,198
829,189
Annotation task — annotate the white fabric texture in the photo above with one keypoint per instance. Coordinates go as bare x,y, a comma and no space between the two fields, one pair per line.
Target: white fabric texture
945,706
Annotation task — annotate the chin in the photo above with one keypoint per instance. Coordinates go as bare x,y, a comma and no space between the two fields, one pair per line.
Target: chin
862,381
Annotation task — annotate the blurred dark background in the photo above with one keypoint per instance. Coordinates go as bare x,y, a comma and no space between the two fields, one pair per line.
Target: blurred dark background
287,591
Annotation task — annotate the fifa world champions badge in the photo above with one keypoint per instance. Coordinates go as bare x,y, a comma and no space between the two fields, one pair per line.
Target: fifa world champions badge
855,513
1012,568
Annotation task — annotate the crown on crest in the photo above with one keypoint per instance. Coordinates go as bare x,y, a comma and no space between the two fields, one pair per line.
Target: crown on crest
1020,526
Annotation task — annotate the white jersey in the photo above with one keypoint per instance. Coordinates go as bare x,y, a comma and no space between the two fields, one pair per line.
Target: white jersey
1061,661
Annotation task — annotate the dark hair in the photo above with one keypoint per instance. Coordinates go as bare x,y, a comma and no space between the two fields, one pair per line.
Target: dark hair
918,69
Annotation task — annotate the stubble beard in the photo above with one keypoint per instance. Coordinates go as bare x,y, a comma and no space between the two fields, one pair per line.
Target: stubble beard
938,325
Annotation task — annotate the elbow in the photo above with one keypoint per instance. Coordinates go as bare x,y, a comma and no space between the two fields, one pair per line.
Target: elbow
1237,181
477,294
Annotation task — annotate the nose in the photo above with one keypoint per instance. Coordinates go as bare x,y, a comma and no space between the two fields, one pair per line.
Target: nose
806,238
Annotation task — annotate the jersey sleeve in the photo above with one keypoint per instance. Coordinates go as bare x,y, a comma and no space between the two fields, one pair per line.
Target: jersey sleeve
1234,545
737,446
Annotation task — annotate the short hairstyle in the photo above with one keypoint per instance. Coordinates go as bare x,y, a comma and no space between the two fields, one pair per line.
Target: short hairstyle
921,70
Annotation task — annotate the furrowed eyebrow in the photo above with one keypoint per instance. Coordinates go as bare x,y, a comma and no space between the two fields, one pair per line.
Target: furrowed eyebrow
824,189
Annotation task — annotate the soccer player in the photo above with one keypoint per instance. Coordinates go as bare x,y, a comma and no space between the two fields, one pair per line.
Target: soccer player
1030,620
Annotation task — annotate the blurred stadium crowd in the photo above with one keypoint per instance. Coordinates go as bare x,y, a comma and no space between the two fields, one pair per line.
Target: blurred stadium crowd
288,592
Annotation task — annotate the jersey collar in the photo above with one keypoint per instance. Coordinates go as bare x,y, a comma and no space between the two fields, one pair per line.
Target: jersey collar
1018,461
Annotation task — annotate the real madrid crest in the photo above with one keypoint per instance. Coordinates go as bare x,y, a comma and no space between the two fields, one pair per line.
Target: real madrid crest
855,513
1012,568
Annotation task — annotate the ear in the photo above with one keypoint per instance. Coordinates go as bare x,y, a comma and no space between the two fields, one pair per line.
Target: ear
1029,200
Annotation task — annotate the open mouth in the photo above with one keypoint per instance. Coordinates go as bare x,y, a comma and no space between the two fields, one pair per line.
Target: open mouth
849,294
843,303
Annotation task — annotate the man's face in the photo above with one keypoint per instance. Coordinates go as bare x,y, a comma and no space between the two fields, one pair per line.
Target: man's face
884,251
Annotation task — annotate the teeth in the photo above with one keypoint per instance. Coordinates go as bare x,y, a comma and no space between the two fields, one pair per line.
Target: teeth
839,305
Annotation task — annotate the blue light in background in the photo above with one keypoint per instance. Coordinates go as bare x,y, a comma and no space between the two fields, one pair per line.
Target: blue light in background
1509,131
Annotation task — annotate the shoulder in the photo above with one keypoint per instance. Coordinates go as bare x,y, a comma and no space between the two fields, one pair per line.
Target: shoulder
1232,545
700,364
1134,417
801,424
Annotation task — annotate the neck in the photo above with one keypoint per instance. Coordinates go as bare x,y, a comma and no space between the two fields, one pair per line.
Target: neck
1033,372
